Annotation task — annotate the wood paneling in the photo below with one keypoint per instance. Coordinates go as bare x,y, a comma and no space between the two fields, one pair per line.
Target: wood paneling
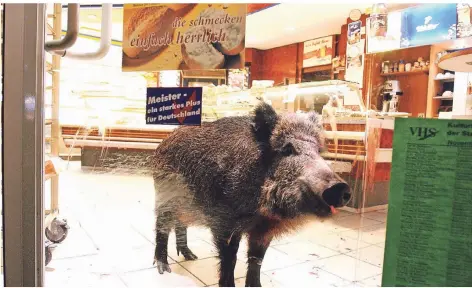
386,139
248,55
299,62
255,63
414,86
275,64
373,82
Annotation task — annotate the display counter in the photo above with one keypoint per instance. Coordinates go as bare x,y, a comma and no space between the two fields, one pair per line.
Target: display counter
358,142
94,124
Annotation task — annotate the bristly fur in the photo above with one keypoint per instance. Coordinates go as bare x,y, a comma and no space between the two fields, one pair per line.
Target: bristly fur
234,176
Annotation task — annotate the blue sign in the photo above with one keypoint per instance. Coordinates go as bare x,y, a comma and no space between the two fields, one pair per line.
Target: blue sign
174,106
427,24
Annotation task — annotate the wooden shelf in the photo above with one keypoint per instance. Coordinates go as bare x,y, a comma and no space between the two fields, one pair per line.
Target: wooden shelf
414,72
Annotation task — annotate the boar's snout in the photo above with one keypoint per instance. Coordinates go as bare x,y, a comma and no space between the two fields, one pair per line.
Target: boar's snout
338,195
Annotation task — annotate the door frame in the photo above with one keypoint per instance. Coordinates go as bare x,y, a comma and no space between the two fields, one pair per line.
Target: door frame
22,135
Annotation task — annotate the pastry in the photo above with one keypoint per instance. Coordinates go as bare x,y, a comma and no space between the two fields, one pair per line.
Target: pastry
148,30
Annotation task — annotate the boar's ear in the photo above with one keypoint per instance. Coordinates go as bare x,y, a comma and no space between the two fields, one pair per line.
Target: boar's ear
265,120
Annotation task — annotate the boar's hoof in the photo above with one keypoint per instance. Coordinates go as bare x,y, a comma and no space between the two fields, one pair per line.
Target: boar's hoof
188,254
163,267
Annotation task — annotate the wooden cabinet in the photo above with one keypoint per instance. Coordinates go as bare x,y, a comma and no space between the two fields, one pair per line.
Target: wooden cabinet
414,84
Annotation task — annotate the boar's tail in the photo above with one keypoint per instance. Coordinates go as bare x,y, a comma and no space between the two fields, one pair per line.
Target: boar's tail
265,120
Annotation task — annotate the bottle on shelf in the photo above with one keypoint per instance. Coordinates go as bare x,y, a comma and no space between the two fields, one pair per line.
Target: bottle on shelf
401,66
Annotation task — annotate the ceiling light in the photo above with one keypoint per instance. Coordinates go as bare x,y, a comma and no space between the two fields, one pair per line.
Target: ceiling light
289,28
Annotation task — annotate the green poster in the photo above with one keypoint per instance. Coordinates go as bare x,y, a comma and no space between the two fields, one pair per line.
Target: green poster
429,224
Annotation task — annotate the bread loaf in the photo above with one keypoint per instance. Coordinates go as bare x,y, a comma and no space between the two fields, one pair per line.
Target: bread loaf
145,29
201,55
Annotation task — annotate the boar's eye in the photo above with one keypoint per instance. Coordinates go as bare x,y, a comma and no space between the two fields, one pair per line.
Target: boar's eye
288,149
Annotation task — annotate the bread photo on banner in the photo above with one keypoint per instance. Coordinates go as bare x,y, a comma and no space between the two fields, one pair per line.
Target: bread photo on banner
227,40
152,20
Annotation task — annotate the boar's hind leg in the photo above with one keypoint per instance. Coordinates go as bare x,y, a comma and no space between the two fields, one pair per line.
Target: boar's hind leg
163,227
181,239
227,245
257,247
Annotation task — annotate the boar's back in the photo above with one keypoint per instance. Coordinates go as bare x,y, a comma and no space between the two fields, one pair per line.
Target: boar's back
220,161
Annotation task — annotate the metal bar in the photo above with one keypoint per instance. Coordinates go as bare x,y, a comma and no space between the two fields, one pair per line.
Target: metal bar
23,144
105,39
72,31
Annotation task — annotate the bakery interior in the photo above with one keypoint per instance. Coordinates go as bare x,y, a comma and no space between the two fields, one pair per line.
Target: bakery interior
98,145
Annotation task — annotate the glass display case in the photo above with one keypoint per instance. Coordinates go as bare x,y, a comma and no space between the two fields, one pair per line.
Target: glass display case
222,101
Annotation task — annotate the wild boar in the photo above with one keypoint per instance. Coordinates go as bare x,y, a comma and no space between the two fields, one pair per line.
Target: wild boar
260,176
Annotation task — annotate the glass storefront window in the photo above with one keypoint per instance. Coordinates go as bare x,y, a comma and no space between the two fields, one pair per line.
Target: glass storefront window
302,133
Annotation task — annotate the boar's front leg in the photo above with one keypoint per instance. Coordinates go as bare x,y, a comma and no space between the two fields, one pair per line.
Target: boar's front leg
181,239
227,245
257,247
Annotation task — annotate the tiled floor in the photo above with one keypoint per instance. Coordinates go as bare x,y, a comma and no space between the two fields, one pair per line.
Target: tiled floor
111,243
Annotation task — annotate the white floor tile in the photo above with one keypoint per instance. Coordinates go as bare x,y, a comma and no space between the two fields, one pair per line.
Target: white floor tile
340,243
375,281
348,268
116,213
134,259
306,275
374,234
352,222
179,277
199,247
373,255
207,269
266,281
81,279
378,216
76,244
306,250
